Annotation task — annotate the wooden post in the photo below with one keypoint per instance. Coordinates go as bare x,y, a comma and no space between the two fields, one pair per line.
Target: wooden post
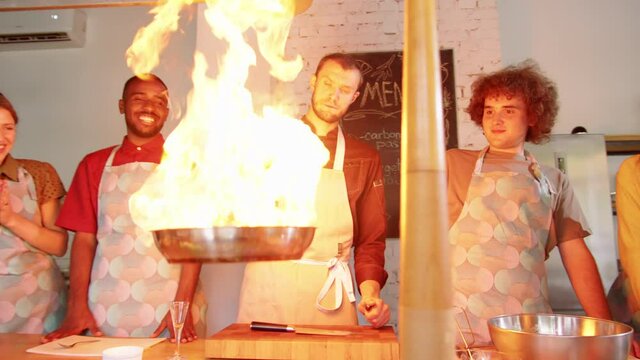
425,315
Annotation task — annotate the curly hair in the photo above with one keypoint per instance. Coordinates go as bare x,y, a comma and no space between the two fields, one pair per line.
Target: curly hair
6,104
525,80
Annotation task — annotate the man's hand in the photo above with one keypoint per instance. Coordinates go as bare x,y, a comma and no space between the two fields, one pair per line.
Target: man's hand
371,306
375,310
77,320
188,331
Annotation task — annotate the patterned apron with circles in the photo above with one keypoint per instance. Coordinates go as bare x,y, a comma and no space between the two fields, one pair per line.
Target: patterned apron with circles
32,290
131,282
317,289
498,245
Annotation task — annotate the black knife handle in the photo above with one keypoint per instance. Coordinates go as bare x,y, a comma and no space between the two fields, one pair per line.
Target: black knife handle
265,326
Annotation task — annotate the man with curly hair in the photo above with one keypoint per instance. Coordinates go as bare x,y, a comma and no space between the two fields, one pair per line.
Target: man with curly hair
507,212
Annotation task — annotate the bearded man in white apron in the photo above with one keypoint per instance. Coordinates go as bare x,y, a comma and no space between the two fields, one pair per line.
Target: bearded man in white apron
120,283
318,288
507,212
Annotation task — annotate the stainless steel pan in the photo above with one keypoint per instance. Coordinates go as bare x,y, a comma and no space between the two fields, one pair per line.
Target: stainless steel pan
233,244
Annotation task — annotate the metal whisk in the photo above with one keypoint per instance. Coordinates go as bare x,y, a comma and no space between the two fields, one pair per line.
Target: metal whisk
467,344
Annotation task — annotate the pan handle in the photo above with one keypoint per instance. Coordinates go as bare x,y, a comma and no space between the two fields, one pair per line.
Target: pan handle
265,326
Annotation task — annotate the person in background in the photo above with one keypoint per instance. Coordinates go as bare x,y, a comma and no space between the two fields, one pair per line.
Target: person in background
507,212
626,289
350,205
120,283
32,290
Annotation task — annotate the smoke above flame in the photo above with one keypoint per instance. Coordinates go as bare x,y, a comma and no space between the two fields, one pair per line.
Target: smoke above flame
225,165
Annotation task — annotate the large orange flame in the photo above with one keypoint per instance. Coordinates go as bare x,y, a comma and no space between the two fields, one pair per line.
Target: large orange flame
224,165
144,54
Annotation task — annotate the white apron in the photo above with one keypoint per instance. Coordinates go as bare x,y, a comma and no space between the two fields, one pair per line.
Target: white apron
32,290
131,282
498,245
317,289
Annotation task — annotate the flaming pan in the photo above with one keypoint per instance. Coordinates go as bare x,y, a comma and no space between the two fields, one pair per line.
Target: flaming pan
233,244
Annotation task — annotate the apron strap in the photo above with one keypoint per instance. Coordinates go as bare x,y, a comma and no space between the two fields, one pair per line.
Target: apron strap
544,182
338,162
478,168
23,175
339,276
112,155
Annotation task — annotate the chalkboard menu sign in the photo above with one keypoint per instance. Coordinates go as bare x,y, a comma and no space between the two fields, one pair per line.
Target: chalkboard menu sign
375,117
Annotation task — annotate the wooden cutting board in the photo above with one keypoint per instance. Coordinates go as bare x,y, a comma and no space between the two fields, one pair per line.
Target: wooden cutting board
237,341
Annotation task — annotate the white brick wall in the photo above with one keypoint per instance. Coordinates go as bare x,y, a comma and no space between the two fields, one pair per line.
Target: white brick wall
470,27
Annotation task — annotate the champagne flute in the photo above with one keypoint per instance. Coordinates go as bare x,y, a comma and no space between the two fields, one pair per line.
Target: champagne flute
179,311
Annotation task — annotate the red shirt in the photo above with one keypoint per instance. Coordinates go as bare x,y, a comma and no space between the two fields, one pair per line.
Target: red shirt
79,211
365,190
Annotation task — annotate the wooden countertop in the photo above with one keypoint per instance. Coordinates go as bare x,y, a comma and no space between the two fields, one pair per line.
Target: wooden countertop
238,338
14,346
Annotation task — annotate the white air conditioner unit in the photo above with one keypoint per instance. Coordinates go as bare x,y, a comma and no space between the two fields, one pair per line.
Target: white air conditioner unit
42,29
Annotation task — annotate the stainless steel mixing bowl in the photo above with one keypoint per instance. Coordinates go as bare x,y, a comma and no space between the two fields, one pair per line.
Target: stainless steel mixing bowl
233,244
560,337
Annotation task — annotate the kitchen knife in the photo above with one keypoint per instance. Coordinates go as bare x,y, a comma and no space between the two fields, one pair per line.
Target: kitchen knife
264,326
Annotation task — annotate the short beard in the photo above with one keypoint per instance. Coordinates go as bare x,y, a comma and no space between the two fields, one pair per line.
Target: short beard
326,116
143,133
